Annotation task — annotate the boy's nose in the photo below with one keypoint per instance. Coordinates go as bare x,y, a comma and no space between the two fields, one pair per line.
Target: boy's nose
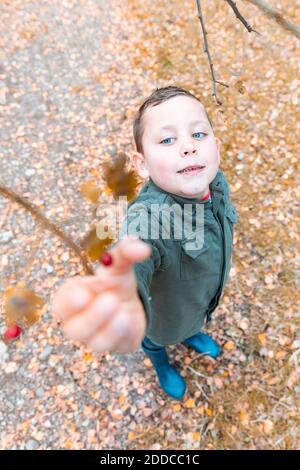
189,152
188,149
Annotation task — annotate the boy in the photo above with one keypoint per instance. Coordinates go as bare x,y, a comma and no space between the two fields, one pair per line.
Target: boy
169,291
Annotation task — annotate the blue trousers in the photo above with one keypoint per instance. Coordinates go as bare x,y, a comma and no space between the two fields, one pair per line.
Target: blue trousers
150,345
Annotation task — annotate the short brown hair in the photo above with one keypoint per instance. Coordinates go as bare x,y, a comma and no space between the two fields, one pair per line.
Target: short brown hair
158,96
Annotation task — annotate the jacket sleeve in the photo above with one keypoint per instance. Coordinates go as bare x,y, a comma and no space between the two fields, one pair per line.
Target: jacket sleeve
135,224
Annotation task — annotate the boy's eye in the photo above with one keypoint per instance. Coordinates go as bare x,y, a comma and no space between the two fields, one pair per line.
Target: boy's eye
168,140
197,135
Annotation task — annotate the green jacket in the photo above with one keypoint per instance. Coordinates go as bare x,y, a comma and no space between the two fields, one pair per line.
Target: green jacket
180,287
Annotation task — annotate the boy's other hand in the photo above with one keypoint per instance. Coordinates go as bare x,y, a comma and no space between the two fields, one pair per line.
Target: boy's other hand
104,311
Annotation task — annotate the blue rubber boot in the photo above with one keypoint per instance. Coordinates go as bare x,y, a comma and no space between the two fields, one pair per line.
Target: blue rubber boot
169,378
203,344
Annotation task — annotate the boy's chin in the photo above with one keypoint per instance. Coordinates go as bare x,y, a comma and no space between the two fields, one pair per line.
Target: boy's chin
194,196
194,192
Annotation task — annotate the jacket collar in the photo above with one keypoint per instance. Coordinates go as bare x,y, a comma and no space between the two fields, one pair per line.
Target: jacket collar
218,183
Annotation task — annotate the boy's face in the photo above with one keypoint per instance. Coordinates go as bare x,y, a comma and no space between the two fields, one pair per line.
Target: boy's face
177,135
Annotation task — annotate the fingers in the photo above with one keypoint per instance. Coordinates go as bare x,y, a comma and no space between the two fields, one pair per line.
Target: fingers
126,346
101,311
71,298
89,305
122,332
103,280
116,333
127,252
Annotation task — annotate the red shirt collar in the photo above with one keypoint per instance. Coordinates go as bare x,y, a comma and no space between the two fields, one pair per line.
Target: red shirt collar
206,197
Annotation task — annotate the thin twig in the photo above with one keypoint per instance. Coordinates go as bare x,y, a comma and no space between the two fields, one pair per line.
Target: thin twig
206,49
36,213
4,215
240,16
274,14
196,372
201,390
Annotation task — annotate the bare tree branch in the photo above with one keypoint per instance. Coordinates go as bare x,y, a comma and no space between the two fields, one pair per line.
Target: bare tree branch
36,213
206,49
240,17
274,14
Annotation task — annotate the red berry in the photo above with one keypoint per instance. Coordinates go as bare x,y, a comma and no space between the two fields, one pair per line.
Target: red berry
106,259
12,333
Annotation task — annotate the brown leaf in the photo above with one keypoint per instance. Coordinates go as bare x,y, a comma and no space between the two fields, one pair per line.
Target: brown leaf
27,34
22,306
262,338
95,246
77,88
87,357
189,403
229,345
239,86
90,191
196,436
244,417
176,408
118,180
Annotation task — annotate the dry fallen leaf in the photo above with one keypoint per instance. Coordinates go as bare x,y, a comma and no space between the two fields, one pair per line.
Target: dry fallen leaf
267,426
244,417
229,345
189,403
87,357
262,338
176,408
21,306
196,436
239,86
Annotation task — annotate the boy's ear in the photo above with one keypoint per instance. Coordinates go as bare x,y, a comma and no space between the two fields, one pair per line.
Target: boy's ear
219,143
138,161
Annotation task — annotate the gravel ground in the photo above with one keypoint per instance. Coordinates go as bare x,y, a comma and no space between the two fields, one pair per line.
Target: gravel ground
53,395
72,73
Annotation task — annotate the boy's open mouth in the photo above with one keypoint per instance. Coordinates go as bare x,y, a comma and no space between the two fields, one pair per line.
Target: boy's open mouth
192,169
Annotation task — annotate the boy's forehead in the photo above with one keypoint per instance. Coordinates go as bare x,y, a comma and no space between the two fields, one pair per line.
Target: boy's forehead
171,111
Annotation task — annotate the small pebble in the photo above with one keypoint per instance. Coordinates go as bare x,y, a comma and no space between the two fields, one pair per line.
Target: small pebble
3,351
46,353
32,444
30,172
6,237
